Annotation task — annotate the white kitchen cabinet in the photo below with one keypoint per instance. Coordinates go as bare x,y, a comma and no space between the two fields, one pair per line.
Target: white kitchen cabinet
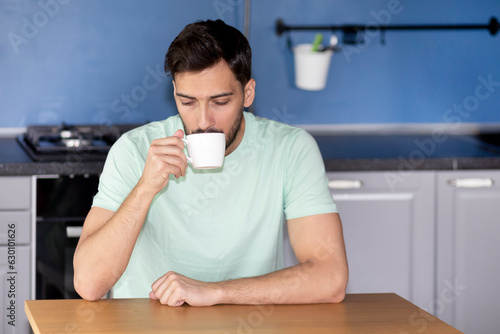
15,253
388,231
15,224
15,193
468,248
388,221
15,289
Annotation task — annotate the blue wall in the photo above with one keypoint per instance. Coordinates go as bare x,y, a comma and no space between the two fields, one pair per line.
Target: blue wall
415,78
96,61
91,61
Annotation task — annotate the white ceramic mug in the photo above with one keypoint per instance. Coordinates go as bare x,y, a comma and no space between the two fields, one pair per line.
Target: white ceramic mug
206,150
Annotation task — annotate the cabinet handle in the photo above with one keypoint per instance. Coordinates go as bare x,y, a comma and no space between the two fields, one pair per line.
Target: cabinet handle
471,183
73,231
47,176
345,184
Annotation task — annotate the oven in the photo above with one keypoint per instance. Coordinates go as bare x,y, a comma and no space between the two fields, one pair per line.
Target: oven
62,203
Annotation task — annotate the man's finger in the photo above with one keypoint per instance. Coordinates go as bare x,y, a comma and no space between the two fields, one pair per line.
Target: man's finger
179,133
169,141
159,281
173,295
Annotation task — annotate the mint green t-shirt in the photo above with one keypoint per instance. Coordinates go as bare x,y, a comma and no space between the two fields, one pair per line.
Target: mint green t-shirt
221,224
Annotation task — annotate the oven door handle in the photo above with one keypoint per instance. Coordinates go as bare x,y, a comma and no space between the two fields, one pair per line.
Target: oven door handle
73,231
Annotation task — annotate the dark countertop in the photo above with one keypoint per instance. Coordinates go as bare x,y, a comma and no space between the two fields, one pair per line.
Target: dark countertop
409,152
15,161
340,152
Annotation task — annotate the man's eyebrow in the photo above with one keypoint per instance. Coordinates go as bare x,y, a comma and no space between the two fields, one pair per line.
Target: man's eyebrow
184,95
212,97
221,95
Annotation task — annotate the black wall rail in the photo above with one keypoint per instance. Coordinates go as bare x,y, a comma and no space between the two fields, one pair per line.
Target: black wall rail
350,31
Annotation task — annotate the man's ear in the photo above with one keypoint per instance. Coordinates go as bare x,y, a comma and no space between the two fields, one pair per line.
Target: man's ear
173,83
249,93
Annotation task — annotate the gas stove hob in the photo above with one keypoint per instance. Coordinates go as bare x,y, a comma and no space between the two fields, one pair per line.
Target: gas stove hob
70,142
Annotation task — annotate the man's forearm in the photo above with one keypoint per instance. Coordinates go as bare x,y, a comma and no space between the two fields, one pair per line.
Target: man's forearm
102,257
309,282
321,276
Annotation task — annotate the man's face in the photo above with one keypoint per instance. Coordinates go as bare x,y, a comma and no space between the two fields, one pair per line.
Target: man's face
213,101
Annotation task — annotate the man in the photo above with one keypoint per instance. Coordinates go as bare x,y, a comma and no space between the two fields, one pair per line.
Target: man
161,229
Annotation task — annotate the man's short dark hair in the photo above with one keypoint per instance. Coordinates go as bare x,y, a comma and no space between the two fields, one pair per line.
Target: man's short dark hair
203,44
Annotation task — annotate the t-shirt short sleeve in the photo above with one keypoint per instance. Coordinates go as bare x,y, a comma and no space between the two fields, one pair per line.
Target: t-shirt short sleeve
120,174
306,190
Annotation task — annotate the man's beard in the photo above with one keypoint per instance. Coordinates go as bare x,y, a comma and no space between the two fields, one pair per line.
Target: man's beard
230,136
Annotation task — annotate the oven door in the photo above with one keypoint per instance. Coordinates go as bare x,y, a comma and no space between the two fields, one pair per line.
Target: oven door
62,205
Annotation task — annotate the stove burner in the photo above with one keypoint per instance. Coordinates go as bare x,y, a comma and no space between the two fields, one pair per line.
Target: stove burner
76,142
55,143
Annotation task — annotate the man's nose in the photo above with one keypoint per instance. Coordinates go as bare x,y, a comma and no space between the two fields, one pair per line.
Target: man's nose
206,120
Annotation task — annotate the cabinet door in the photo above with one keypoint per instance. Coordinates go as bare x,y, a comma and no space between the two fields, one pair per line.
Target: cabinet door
15,226
15,289
388,220
468,262
15,193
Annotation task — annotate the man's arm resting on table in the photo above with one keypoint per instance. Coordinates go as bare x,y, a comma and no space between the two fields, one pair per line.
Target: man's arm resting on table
108,238
321,276
106,244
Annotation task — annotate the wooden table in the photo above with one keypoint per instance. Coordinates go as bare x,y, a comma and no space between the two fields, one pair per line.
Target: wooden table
359,313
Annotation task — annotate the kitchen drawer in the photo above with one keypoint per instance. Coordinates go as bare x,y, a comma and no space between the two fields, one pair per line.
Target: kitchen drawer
15,288
387,181
21,228
15,193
